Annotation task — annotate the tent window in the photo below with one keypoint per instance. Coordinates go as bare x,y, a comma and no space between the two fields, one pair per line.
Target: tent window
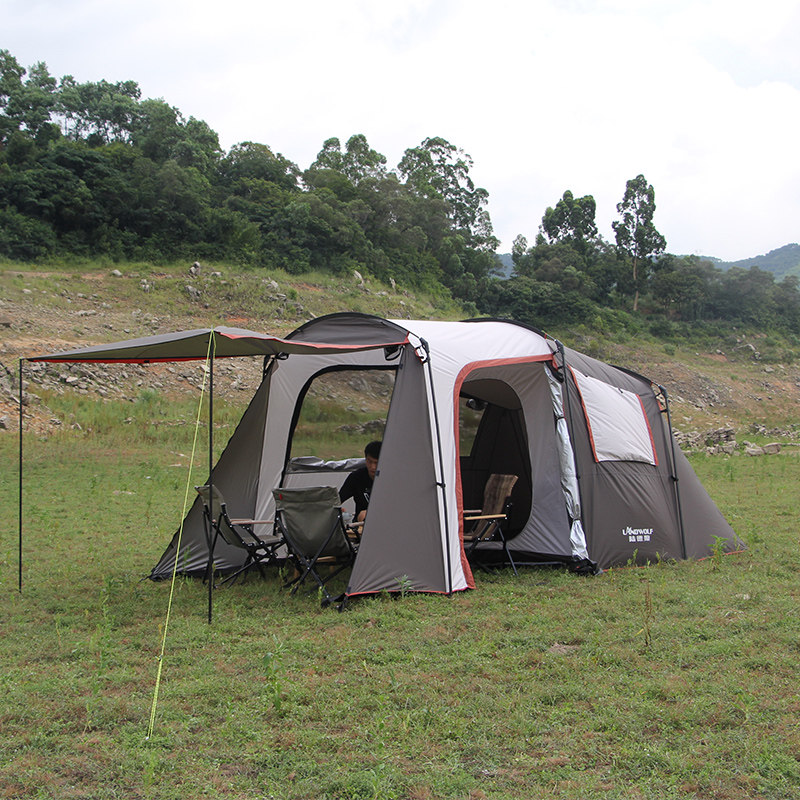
341,411
618,426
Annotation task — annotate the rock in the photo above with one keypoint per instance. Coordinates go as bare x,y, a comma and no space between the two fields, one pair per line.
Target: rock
754,450
116,273
195,268
747,346
4,423
193,292
359,277
772,448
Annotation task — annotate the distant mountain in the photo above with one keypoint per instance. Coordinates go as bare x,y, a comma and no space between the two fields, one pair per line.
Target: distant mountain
506,265
781,262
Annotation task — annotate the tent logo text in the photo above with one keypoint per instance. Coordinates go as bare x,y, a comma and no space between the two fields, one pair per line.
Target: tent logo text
637,534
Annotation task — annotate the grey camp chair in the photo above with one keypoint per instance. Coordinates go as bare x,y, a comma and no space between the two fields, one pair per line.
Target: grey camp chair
487,524
310,520
238,533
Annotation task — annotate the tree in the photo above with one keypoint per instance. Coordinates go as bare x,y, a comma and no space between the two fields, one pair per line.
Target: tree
357,162
26,105
253,161
99,112
439,169
572,220
680,282
637,237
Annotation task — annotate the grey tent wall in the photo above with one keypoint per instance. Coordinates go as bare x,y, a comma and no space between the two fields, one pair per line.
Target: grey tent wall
402,541
236,476
630,508
702,519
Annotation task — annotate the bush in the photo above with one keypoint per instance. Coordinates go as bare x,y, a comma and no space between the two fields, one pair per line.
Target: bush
25,238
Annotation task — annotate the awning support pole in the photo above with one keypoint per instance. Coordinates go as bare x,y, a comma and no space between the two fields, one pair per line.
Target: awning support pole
210,570
19,560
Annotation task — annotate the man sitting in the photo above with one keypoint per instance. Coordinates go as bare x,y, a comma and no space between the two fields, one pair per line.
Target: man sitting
358,484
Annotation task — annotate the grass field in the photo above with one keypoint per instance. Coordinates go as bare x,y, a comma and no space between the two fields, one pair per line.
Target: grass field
674,681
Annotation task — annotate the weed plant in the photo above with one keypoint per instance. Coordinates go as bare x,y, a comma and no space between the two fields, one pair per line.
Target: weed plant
678,680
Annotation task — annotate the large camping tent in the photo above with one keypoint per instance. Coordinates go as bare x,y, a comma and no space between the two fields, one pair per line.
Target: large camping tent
601,481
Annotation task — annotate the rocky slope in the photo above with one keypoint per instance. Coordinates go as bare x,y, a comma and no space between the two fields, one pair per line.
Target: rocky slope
717,397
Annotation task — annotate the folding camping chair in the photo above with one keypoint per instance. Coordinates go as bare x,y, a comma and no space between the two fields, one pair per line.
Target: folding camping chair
310,521
486,524
238,533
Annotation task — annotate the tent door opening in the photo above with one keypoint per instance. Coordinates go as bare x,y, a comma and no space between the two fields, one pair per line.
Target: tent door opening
493,440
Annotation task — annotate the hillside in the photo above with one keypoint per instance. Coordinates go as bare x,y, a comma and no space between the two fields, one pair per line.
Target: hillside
780,262
732,385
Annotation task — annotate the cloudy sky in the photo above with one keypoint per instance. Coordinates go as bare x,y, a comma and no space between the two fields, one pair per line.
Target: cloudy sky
700,96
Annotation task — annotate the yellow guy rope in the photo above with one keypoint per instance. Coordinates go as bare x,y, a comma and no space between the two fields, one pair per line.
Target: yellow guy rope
178,544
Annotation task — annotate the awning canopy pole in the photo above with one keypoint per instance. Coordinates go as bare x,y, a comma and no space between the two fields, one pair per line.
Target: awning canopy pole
19,560
210,468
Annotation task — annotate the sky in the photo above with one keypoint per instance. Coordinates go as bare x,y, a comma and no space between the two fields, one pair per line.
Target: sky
702,97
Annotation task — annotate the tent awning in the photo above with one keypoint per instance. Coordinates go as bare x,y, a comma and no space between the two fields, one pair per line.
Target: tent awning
194,345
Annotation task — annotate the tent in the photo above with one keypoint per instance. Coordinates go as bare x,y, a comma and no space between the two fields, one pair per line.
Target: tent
601,481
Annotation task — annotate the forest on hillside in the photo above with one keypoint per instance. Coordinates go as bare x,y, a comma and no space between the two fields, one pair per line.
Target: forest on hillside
94,170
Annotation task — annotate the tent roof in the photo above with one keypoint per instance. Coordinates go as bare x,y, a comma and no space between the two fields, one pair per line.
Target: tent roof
334,333
228,342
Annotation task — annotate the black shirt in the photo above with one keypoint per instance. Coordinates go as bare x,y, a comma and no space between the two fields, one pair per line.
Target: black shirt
357,485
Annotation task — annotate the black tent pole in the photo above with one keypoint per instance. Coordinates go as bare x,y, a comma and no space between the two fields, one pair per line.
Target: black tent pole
20,479
675,472
210,467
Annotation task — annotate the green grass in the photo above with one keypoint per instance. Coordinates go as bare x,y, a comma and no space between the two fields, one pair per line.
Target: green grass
674,681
